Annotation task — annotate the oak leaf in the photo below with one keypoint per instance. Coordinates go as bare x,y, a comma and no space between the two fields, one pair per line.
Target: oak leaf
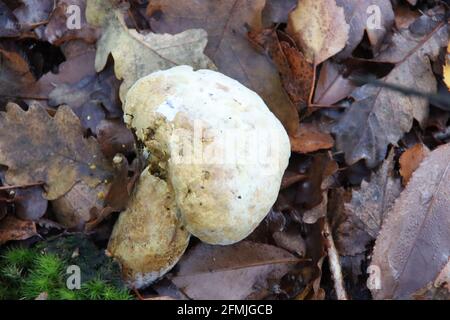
137,55
38,148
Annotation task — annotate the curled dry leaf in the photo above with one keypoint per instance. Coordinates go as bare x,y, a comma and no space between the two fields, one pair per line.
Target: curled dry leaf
380,116
410,160
238,270
39,148
412,247
137,55
12,228
320,29
227,25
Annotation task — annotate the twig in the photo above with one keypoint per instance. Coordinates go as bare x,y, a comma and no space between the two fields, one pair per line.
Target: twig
2,188
441,100
335,266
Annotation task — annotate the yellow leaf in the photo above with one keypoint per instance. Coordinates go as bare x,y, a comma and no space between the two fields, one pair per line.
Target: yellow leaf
319,28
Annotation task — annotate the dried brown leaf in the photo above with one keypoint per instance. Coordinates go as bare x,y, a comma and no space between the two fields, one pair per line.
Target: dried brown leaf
381,116
373,200
310,138
230,272
137,55
332,86
412,247
319,28
12,228
410,160
39,148
373,17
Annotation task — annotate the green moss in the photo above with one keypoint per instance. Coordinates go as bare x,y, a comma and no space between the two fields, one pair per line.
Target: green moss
26,273
19,256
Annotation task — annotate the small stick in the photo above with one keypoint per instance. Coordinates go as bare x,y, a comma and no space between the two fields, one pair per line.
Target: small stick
335,266
2,188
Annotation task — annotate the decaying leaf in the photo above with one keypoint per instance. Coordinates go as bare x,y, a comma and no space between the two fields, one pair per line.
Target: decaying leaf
296,73
373,200
33,13
75,208
375,17
410,160
310,138
12,228
381,116
349,233
137,55
277,11
62,25
38,148
238,270
227,24
412,247
332,86
15,74
439,289
320,29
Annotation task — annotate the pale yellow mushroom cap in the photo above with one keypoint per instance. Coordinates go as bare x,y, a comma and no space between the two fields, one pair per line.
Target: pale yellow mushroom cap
216,144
